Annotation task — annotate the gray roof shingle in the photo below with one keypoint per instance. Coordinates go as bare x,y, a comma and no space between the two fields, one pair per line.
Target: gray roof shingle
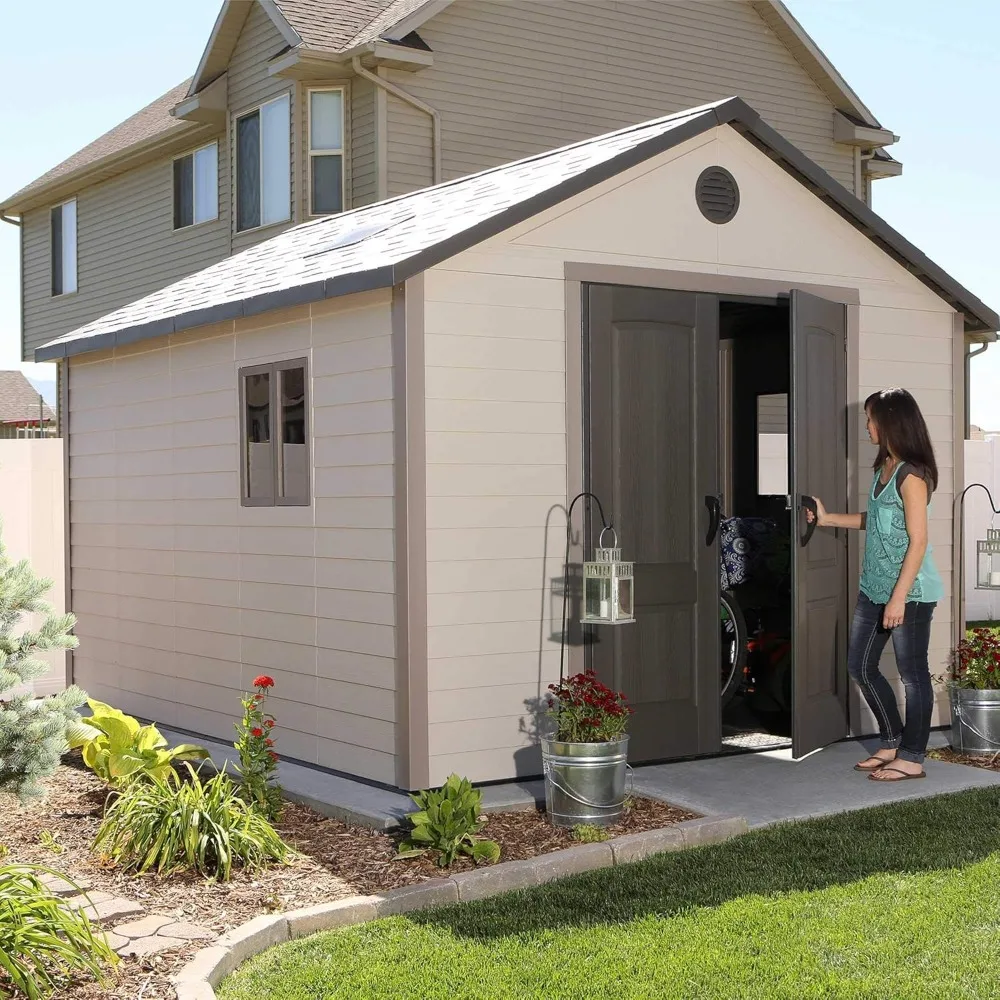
340,25
19,400
383,244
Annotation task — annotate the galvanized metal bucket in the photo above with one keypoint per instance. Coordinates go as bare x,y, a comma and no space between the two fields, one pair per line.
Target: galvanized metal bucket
585,782
975,720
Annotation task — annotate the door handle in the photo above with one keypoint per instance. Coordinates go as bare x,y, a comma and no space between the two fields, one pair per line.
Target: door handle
714,505
807,503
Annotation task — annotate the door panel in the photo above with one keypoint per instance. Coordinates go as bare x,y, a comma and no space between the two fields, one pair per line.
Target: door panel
819,568
652,457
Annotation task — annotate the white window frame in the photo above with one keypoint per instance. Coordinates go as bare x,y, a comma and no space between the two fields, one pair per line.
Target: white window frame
63,246
342,152
234,137
194,180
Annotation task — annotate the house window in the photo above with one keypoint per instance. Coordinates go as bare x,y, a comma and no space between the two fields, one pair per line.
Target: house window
274,429
196,186
263,166
326,151
63,223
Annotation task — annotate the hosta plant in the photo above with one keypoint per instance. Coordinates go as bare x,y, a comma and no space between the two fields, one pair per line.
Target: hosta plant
172,824
118,749
447,824
44,944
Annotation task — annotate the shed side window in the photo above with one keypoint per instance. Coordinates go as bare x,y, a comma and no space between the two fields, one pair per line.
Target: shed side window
275,434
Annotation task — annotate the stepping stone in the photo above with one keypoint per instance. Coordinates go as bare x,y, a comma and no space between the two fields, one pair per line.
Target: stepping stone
145,946
115,941
186,931
60,887
79,902
110,911
144,927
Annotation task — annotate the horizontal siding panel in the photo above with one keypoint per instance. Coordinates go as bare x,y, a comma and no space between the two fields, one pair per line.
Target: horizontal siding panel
515,322
495,480
507,386
528,668
490,353
494,416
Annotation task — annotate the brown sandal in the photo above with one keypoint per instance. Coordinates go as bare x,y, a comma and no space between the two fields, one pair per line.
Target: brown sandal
903,775
878,767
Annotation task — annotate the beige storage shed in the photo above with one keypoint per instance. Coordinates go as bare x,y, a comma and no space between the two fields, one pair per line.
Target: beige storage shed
344,456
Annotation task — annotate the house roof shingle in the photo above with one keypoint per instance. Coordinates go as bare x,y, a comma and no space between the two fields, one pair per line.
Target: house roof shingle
19,400
340,25
383,244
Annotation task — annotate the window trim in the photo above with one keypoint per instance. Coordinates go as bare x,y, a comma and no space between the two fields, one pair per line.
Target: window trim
234,139
194,197
62,249
310,152
272,369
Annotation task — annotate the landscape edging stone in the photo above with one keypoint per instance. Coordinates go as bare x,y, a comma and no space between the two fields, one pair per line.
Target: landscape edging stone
197,980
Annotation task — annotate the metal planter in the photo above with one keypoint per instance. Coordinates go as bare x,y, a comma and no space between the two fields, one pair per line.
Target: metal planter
584,782
975,720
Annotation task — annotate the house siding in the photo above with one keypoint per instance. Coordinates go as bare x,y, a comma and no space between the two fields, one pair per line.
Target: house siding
126,247
250,85
497,398
364,158
182,594
513,78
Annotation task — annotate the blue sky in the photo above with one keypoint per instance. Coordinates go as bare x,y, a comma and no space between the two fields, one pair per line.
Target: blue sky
927,69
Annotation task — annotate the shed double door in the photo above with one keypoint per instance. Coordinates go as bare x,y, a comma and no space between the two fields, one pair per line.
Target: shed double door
652,457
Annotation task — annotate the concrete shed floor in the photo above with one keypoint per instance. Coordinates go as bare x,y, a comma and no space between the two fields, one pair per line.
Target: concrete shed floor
764,788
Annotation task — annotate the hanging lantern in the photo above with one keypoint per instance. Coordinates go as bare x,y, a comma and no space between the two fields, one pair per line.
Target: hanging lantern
988,561
608,597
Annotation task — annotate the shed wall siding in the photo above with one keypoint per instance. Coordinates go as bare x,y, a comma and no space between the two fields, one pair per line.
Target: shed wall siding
182,594
512,78
127,247
496,414
250,85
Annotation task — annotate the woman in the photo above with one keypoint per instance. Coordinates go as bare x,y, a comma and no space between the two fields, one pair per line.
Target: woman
899,583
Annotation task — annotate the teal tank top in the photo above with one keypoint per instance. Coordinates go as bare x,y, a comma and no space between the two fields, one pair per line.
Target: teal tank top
886,542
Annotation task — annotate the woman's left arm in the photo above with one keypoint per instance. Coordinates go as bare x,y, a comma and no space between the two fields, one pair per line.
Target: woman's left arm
914,492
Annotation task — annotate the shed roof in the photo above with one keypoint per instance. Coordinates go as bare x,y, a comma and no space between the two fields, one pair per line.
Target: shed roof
383,244
19,400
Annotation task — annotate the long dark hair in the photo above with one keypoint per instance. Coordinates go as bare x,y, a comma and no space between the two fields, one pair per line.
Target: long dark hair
902,431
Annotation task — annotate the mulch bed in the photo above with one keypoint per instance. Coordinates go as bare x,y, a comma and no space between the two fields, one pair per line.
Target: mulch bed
990,762
337,860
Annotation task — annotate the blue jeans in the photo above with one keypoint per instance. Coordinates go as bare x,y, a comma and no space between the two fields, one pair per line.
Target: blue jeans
910,641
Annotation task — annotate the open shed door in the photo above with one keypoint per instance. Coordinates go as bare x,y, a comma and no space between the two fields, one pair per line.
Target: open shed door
819,559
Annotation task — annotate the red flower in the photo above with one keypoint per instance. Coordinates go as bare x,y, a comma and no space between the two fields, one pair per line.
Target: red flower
263,681
269,742
257,732
269,723
274,756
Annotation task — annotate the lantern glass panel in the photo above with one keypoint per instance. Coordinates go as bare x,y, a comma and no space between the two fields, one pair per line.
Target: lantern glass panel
988,561
598,597
625,597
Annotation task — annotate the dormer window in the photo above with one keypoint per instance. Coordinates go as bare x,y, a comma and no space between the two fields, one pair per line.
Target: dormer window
263,165
326,151
196,186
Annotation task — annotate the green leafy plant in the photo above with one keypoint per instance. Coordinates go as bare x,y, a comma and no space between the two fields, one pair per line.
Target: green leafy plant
172,824
447,824
585,711
32,729
49,841
588,833
43,943
258,759
118,749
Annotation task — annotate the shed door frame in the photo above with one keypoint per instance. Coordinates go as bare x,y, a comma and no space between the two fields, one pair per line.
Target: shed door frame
578,274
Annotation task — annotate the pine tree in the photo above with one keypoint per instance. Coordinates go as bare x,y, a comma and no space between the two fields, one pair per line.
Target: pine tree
32,729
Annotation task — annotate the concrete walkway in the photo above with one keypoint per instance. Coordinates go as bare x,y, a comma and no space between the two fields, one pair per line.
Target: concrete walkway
764,787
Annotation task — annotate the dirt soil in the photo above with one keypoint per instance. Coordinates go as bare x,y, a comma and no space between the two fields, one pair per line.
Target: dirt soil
990,762
336,860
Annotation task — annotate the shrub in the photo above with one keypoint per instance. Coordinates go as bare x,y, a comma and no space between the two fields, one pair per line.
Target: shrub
173,824
447,824
43,943
588,833
585,711
118,750
255,743
32,730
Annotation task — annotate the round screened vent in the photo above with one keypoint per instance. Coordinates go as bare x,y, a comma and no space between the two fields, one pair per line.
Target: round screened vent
717,195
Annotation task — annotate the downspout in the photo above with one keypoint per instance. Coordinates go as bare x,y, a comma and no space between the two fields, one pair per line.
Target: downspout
391,88
969,355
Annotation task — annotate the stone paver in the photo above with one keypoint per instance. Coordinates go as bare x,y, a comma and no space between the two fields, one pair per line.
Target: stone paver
110,911
60,887
115,941
144,927
186,931
82,900
151,945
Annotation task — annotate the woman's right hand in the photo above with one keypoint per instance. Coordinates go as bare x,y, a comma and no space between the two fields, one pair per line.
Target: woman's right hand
820,516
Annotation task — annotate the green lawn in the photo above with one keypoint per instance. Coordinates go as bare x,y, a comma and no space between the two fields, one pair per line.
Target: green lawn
892,903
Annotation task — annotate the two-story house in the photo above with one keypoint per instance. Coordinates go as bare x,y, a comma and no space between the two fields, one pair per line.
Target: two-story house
300,108
339,446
